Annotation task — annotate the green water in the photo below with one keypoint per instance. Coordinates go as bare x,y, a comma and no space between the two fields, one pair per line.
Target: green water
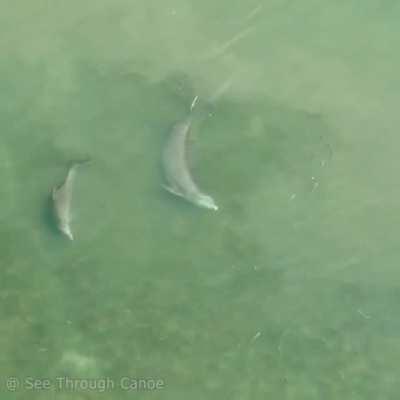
290,290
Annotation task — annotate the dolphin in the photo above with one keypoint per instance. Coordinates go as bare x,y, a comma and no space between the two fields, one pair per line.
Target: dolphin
62,198
179,180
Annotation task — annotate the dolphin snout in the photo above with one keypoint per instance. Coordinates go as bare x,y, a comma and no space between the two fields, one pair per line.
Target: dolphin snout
67,232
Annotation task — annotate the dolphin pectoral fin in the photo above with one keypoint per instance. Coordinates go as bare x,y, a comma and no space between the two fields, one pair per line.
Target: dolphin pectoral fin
54,193
172,190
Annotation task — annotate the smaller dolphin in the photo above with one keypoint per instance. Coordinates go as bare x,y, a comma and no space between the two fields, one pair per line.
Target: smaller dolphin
178,177
62,198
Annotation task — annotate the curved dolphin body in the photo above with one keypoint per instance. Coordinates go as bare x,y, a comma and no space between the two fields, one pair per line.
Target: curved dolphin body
62,198
177,174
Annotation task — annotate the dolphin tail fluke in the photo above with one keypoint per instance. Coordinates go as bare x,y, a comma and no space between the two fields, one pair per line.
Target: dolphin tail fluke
80,161
74,164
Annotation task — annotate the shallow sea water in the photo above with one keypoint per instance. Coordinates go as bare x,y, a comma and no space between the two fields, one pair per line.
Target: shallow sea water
290,290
